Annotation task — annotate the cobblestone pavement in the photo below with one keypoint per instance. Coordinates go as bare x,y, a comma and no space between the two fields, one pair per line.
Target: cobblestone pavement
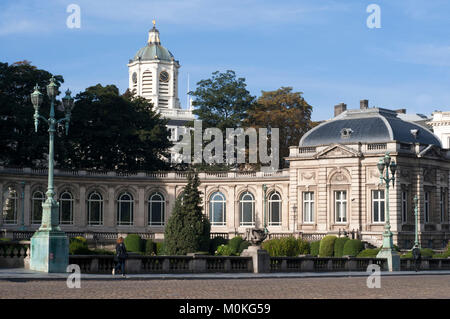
437,286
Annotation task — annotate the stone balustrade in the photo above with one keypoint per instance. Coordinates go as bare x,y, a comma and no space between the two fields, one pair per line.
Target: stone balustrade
14,254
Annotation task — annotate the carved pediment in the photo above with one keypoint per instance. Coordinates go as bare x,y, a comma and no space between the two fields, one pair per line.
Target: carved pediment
337,150
308,176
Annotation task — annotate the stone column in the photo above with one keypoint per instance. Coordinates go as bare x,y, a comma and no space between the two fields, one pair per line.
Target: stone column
27,212
110,209
81,213
139,218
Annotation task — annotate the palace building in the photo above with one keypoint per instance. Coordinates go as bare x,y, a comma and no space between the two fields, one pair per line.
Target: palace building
332,184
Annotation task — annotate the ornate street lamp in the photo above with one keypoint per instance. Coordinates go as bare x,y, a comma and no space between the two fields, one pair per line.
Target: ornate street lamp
416,220
384,166
50,245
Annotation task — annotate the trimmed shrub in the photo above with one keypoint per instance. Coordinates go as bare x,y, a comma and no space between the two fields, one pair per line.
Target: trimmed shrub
160,248
339,246
234,244
78,246
326,248
424,253
303,247
216,242
353,247
150,247
288,246
133,243
243,246
223,250
269,245
314,248
369,253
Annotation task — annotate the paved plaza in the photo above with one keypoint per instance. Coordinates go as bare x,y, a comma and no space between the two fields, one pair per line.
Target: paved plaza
392,286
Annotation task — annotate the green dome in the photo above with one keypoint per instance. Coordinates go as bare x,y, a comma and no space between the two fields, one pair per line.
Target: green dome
153,52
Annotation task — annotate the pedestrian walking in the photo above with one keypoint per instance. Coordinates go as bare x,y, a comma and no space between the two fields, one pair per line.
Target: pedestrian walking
120,257
417,257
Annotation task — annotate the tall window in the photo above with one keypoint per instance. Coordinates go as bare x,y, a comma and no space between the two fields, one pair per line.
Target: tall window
156,209
404,206
247,209
275,209
95,209
36,207
426,207
308,207
378,206
217,209
11,213
442,205
125,209
340,199
66,208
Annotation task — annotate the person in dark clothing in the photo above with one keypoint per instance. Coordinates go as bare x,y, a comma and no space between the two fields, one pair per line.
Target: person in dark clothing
417,257
120,257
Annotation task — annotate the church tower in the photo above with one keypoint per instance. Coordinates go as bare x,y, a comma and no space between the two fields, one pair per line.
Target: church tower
153,74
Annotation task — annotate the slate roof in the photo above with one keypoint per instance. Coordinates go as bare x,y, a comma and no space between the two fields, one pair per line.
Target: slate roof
370,125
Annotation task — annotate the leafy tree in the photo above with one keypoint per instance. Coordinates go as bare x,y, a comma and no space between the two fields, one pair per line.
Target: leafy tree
188,229
19,144
285,110
222,101
109,131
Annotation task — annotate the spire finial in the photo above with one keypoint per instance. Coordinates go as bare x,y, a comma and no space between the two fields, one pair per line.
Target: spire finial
154,22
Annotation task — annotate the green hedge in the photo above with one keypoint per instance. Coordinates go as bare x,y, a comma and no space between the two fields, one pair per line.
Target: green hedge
234,244
303,247
369,253
224,250
353,247
133,243
78,246
286,246
424,253
150,247
314,248
339,246
215,243
326,248
160,248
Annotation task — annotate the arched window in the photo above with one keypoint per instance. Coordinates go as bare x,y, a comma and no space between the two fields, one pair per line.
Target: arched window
36,207
217,209
156,209
95,209
125,209
247,209
11,202
66,208
274,209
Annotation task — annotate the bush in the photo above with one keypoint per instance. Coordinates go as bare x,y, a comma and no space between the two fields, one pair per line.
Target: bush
424,253
243,246
102,252
160,248
216,242
150,247
223,250
314,248
303,247
234,244
133,243
352,247
326,248
288,246
369,253
78,246
339,246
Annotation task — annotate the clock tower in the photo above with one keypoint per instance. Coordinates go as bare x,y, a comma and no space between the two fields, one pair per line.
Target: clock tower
153,74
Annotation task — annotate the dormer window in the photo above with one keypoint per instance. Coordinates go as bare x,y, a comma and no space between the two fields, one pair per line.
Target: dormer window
346,132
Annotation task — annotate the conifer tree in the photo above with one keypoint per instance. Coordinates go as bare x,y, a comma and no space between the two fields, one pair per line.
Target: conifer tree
188,229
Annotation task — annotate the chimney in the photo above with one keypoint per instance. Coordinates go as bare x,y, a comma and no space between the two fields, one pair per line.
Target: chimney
401,111
338,109
364,104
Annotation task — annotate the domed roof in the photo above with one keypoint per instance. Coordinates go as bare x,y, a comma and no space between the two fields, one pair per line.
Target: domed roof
371,125
153,50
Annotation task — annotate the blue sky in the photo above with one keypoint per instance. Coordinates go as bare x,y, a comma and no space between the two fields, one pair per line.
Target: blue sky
322,48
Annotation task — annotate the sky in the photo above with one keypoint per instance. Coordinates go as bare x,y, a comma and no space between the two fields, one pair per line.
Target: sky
322,48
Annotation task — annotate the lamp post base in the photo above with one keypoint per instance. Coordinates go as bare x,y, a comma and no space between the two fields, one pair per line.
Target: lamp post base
49,251
393,258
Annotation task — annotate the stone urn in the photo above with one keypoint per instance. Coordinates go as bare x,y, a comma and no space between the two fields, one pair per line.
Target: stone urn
256,236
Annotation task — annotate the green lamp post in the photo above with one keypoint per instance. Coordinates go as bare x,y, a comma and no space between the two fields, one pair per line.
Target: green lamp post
416,219
49,244
384,165
265,208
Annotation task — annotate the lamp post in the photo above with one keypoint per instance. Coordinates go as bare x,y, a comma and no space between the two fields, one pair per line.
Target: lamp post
294,209
416,220
265,208
384,166
22,219
50,245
